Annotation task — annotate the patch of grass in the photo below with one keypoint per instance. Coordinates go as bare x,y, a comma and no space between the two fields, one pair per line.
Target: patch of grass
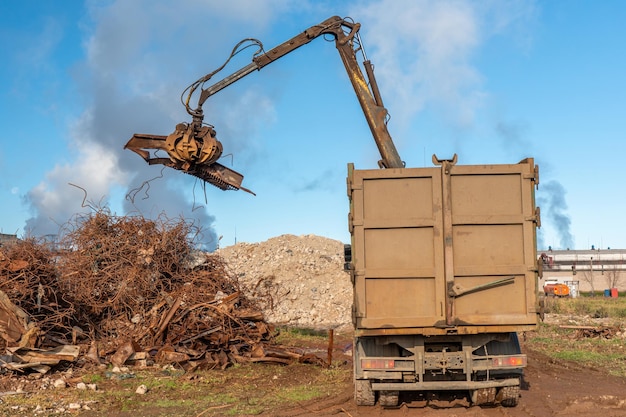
290,336
596,307
300,393
167,384
92,378
569,344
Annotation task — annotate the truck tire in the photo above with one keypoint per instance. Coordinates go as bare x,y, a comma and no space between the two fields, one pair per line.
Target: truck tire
363,393
483,396
509,396
389,398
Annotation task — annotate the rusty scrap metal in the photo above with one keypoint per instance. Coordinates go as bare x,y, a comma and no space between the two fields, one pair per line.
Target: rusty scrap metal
331,342
125,291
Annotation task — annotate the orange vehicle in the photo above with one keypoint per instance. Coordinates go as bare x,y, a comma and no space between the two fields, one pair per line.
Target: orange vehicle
554,289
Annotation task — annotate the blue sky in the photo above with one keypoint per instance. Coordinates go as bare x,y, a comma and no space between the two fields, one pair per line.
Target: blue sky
493,81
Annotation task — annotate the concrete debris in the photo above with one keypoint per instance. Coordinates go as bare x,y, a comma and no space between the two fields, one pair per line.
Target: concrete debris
296,280
59,383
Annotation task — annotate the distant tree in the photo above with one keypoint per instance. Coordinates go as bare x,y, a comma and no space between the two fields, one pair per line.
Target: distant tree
612,276
587,276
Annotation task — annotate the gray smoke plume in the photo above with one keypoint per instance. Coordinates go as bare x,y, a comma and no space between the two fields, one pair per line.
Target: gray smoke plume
551,199
130,81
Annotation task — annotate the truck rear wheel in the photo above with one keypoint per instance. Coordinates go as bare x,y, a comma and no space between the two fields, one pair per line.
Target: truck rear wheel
509,396
483,396
389,398
363,393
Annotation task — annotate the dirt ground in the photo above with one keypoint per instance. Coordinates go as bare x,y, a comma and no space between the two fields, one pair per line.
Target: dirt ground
304,276
549,389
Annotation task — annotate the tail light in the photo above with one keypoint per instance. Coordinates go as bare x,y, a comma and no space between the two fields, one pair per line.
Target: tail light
509,361
377,364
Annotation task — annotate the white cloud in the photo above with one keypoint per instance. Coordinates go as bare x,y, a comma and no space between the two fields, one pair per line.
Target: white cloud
425,50
59,196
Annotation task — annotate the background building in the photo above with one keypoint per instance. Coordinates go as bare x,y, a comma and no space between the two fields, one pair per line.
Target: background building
6,240
593,269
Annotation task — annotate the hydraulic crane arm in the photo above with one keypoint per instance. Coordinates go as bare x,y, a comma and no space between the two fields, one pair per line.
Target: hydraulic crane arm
193,147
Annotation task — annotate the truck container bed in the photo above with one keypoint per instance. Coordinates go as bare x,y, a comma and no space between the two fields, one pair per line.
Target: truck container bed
444,267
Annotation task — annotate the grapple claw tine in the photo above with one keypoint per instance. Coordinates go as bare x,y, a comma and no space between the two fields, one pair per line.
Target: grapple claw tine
191,150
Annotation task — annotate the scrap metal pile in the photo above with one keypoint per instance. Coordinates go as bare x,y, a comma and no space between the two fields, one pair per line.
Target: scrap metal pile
126,290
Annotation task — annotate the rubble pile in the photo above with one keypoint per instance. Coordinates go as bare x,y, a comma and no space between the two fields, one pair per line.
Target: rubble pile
296,280
127,290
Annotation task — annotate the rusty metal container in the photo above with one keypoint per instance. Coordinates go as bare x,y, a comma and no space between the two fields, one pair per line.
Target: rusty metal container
443,259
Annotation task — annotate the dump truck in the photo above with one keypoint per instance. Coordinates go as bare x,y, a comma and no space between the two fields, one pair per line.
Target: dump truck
444,270
442,259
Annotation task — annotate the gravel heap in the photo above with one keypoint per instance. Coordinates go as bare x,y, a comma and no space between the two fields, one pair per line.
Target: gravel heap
297,280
